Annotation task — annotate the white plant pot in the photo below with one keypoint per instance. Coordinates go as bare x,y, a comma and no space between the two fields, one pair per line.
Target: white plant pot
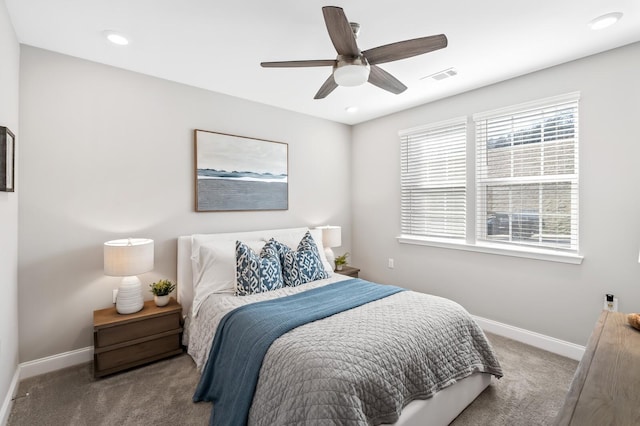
161,300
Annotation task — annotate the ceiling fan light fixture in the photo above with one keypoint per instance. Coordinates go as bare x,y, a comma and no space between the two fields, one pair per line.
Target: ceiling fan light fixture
605,21
351,75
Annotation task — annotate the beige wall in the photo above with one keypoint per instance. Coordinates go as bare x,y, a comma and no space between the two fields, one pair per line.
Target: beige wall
108,153
554,299
9,82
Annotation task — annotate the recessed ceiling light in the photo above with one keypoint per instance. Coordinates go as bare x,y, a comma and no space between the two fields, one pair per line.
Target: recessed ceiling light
605,21
351,109
116,38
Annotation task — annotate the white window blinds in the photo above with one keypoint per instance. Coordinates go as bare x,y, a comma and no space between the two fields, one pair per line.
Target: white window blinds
527,174
433,180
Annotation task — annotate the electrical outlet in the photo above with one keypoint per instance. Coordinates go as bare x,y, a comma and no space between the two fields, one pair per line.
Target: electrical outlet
610,303
391,263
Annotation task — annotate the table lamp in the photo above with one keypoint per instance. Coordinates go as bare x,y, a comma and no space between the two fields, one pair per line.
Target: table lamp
127,258
331,237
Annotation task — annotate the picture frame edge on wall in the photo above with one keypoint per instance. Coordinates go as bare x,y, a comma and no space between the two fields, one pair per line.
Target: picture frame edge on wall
7,159
234,173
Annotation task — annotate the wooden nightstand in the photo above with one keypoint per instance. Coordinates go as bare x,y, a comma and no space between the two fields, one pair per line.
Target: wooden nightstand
349,271
125,341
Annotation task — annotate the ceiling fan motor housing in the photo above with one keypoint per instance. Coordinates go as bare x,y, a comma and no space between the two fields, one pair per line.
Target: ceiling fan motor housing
355,27
351,71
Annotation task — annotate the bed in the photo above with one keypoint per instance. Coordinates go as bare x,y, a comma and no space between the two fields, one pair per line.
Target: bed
338,345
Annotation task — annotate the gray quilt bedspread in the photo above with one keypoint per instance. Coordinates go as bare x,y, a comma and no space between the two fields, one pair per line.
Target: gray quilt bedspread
361,366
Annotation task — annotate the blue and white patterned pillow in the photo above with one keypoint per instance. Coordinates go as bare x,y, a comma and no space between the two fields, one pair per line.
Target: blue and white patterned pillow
257,273
303,265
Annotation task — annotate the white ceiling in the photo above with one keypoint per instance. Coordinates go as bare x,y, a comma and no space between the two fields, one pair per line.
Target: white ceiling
218,45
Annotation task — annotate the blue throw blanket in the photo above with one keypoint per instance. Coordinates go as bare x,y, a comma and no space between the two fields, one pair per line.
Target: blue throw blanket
245,334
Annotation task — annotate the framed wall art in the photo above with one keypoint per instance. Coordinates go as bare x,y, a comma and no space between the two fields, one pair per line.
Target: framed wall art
236,173
7,159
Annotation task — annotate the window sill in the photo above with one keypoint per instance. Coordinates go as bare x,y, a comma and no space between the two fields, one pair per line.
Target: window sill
529,253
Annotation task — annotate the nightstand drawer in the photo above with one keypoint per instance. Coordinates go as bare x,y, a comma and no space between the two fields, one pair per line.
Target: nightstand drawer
133,354
135,330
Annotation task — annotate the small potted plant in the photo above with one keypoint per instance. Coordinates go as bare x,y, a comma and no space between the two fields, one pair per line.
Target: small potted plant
341,261
161,291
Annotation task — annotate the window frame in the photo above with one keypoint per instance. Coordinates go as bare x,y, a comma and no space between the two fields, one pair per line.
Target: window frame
448,129
472,242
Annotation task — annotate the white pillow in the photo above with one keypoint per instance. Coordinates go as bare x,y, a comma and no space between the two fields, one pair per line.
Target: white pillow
214,268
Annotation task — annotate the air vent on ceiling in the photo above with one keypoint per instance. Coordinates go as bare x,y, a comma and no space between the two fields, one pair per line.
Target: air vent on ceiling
441,75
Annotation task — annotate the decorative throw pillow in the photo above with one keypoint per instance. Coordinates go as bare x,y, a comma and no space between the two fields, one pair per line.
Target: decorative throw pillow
301,266
257,273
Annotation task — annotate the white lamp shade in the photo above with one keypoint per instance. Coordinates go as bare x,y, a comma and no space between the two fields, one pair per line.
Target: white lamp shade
331,236
127,257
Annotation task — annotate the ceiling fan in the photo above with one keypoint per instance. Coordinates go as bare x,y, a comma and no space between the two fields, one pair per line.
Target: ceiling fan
354,67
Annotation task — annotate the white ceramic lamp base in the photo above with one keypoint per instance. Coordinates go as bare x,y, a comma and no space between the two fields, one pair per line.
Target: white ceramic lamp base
331,258
129,299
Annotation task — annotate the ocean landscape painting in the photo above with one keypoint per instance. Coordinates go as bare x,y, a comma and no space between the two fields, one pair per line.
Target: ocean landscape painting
236,173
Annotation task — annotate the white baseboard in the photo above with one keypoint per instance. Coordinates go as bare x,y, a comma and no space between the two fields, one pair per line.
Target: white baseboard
55,362
8,398
550,344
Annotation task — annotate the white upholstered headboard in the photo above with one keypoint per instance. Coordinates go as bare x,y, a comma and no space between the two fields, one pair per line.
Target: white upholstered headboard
185,273
289,236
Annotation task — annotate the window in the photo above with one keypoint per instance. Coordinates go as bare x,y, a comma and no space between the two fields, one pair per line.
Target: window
523,198
527,175
433,180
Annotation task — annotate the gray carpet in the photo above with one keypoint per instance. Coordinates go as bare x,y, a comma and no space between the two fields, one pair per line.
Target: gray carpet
533,388
530,393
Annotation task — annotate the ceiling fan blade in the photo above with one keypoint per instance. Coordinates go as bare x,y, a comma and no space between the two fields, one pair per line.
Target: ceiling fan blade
384,80
405,49
340,31
326,88
295,64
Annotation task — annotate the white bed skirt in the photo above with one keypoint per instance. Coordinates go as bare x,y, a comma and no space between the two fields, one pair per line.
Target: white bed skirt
442,408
